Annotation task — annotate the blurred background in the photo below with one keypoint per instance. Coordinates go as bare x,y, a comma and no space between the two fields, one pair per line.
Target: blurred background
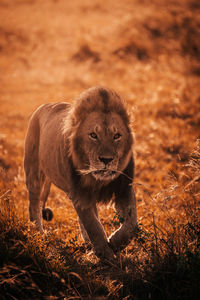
63,47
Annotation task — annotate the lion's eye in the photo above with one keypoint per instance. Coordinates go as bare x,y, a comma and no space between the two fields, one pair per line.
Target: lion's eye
93,135
117,136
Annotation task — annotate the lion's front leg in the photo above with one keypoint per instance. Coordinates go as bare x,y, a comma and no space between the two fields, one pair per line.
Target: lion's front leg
127,211
95,232
82,228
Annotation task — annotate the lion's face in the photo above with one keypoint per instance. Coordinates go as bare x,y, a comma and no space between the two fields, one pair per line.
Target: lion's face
103,146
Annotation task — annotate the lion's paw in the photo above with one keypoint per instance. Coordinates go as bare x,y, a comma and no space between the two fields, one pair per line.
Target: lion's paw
105,253
118,241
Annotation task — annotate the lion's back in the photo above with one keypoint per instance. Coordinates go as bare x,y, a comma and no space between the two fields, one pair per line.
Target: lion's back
50,110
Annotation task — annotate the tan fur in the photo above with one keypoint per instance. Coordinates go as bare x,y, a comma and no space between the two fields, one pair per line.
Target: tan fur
85,149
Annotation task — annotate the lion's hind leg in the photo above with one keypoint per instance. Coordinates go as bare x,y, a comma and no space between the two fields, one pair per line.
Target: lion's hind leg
34,178
47,213
34,202
33,183
39,189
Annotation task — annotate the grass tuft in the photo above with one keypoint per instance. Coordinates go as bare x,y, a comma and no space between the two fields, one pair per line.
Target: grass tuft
161,263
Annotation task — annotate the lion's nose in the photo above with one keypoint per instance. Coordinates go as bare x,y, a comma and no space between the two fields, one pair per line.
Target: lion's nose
105,160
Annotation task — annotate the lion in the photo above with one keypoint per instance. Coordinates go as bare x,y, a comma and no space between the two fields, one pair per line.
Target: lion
86,150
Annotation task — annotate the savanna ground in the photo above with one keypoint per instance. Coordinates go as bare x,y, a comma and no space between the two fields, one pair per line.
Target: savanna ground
149,52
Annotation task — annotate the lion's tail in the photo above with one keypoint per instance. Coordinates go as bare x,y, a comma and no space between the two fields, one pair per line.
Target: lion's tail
47,214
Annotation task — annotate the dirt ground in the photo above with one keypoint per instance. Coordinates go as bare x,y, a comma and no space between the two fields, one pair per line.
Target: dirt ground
148,51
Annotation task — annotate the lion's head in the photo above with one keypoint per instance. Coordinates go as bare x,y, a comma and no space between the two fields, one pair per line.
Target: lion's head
99,134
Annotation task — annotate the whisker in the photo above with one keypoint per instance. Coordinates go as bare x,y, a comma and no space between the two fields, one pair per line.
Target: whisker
120,172
85,172
88,171
93,169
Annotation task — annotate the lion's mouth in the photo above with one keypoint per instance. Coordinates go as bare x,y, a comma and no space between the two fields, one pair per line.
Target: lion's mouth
104,174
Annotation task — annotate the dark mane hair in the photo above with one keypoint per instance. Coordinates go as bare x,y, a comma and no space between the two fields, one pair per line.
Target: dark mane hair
99,99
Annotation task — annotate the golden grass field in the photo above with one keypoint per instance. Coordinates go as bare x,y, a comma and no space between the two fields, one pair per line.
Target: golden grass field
149,52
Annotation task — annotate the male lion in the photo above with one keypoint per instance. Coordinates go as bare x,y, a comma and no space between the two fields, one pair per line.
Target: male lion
85,149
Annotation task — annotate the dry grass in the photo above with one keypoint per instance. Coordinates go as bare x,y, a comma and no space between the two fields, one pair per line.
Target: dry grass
150,53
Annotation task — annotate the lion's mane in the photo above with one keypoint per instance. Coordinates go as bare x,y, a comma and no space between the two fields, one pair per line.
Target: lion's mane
95,99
